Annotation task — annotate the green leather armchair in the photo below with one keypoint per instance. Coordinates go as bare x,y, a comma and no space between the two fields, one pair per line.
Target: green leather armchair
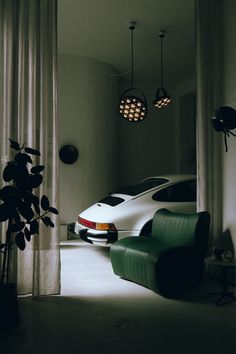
171,260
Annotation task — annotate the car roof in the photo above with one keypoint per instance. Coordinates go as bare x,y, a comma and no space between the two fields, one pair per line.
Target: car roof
174,177
169,180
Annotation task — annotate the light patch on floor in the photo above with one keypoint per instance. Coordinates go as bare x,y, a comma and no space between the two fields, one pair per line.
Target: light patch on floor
87,271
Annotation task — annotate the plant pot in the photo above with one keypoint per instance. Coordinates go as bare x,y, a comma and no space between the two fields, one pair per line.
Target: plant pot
9,308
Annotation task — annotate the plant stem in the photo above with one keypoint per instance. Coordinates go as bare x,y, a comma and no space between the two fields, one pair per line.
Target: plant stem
42,215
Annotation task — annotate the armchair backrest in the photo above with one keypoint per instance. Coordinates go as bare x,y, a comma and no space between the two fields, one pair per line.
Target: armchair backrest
181,229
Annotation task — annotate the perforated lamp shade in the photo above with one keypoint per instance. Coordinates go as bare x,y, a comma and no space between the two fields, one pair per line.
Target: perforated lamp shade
162,99
132,108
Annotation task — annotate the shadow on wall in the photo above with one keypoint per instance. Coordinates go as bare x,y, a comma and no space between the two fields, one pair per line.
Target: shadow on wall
226,241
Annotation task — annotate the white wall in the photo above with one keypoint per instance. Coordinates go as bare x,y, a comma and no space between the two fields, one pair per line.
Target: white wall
87,98
229,98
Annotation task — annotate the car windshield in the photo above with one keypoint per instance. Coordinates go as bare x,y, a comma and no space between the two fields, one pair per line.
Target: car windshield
142,186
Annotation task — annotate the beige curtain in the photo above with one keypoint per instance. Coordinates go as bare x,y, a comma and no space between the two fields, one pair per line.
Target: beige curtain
28,114
209,142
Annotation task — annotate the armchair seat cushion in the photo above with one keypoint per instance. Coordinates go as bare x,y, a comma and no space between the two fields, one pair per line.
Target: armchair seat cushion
135,258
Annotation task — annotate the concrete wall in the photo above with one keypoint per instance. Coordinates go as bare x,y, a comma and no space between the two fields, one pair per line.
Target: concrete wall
87,97
229,98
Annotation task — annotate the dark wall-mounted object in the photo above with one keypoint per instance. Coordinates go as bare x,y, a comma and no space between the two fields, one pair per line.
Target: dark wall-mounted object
68,154
224,120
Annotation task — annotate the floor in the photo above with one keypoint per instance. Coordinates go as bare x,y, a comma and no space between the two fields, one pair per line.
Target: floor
98,312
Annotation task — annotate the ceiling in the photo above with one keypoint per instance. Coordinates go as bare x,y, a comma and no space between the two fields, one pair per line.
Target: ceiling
98,29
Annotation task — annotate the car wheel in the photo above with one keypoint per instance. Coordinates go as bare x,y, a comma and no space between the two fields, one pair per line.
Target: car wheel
146,230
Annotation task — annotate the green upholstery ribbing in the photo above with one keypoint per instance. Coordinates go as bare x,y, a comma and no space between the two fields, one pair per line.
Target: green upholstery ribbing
181,229
134,258
171,260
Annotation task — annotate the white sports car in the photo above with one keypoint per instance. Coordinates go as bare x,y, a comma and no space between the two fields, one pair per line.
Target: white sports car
129,211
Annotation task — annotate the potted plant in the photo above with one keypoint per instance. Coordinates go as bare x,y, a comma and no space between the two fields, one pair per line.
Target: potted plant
22,210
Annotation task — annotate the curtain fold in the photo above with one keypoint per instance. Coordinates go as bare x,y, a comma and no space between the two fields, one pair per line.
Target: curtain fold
209,142
28,110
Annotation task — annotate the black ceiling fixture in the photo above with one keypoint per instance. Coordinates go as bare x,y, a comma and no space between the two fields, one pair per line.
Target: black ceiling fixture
132,107
162,98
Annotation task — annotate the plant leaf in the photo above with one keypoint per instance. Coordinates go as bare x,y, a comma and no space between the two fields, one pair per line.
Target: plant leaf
35,181
27,234
37,209
7,192
35,200
27,196
20,240
14,145
6,211
16,217
47,221
34,227
21,175
3,213
32,151
22,159
9,172
37,169
53,210
45,203
26,211
17,226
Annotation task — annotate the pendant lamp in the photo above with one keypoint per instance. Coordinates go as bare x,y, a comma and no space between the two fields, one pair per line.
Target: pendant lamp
132,107
162,98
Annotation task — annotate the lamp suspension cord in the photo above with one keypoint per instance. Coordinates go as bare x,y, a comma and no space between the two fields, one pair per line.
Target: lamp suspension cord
161,61
132,56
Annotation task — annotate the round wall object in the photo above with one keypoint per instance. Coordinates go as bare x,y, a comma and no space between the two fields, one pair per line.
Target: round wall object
68,154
